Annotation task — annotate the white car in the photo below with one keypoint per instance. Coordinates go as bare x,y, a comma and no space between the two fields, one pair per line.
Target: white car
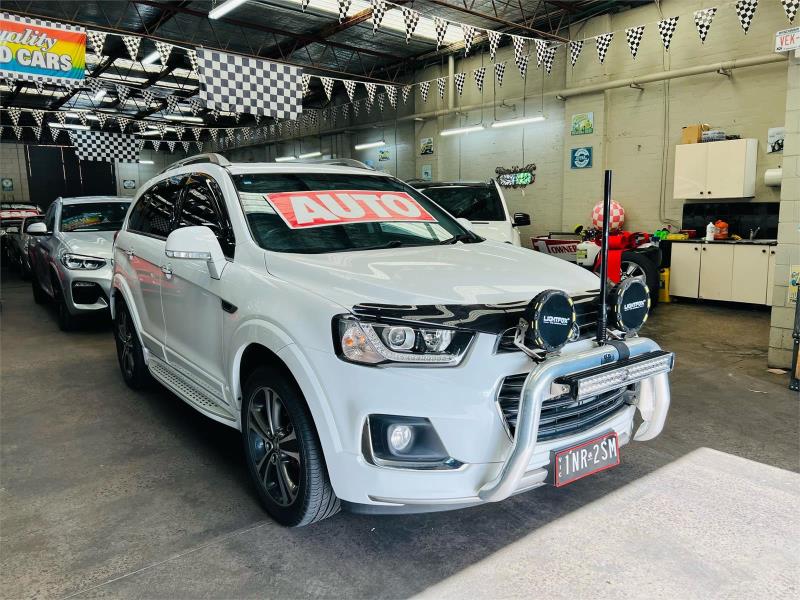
373,352
481,203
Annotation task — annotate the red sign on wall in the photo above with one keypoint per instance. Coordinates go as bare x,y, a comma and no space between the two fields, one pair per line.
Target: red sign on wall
320,208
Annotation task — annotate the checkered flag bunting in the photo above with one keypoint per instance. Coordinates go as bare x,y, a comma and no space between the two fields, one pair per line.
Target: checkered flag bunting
132,43
186,146
17,131
441,84
215,112
381,103
55,132
171,145
410,19
142,125
101,119
94,84
305,80
424,89
745,11
61,117
164,50
39,86
541,46
549,58
494,42
378,10
140,142
702,20
603,42
522,64
346,111
350,87
575,48
196,132
499,72
519,48
304,5
634,36
440,26
195,106
149,98
96,39
371,88
327,85
406,91
391,94
344,6
162,129
241,84
459,78
479,75
666,29
38,116
179,129
193,61
14,113
123,123
214,134
172,103
356,108
123,91
156,144
37,132
82,118
104,146
469,35
790,7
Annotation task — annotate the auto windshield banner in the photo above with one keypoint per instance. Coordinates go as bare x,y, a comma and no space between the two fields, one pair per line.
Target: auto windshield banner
35,50
320,208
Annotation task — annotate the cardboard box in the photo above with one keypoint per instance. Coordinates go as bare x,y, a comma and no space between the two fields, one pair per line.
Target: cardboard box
693,134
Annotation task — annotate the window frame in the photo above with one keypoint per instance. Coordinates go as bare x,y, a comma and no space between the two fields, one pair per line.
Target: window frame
176,204
219,206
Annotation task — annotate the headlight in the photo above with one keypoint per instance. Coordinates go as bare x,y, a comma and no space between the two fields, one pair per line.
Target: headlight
375,343
78,261
630,304
547,322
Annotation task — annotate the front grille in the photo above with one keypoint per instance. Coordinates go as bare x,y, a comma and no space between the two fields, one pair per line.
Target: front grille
585,314
562,415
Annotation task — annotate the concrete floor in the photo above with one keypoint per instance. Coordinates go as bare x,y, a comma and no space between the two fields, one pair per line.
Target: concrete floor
110,493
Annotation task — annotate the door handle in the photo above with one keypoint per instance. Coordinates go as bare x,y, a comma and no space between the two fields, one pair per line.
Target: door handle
129,252
167,270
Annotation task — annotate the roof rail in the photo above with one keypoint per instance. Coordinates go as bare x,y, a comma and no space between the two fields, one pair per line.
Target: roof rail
337,162
211,157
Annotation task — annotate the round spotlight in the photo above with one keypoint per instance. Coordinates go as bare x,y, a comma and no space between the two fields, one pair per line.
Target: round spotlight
630,304
400,437
550,317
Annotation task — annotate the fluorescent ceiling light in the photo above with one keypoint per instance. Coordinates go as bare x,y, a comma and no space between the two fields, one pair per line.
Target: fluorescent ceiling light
146,162
285,158
99,95
184,118
68,126
72,115
89,117
150,58
224,8
458,130
369,145
310,155
520,121
150,132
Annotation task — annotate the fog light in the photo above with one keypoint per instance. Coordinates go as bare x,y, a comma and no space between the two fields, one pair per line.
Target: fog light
400,437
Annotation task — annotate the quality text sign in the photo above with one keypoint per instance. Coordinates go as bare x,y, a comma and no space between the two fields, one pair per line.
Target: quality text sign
319,208
35,50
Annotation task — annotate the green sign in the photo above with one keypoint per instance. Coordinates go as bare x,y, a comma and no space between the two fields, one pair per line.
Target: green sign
583,123
7,184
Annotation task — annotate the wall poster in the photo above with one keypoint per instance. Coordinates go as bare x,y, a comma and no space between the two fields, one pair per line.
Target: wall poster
425,146
582,123
580,158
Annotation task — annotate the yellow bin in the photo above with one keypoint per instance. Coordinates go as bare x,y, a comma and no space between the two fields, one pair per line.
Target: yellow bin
663,285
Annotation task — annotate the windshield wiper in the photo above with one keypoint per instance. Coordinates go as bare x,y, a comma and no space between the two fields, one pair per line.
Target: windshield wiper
464,238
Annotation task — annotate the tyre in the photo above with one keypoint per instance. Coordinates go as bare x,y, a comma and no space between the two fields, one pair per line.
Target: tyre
66,320
39,295
635,264
129,351
283,452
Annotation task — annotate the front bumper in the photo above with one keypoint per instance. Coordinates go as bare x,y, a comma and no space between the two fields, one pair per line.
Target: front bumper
86,291
495,466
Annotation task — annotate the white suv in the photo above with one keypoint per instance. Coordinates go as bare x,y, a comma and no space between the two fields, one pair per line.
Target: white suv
373,352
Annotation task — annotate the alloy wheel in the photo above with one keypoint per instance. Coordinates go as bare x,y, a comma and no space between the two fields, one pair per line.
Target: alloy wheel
125,337
631,269
274,448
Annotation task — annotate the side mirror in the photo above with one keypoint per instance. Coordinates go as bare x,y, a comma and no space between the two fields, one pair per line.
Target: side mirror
521,219
37,228
197,243
465,223
12,230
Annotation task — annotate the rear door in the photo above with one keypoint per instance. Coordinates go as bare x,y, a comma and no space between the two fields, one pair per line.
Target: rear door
139,256
44,245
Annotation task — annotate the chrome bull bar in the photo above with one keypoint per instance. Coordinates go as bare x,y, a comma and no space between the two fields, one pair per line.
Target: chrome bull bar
564,374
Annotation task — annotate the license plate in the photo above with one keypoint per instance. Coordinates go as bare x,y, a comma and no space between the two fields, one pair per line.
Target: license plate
584,459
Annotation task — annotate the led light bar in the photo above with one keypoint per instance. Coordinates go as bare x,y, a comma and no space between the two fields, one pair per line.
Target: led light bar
520,121
224,8
458,130
369,145
146,162
618,374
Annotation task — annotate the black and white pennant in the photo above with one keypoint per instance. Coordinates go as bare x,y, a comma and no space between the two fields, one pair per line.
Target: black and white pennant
634,36
381,103
101,118
494,42
702,20
123,91
666,29
172,103
123,123
378,10
305,79
97,39
350,87
164,50
790,7
459,81
14,113
196,131
424,89
148,98
469,35
132,43
38,116
745,11
82,117
104,146
195,105
391,94
603,42
327,85
344,6
519,50
549,58
440,26
479,75
371,88
61,117
575,48
406,92
304,5
410,19
541,46
17,131
94,84
441,84
499,72
171,145
193,61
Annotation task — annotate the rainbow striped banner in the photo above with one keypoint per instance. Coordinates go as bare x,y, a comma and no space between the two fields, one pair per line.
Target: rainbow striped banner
35,50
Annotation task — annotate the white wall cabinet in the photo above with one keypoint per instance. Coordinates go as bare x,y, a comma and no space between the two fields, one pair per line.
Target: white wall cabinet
715,170
726,272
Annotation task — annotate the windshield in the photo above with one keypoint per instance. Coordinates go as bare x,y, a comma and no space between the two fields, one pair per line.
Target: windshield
328,212
479,202
95,216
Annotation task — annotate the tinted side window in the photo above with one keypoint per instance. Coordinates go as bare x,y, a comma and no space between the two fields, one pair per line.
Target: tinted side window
203,205
155,210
